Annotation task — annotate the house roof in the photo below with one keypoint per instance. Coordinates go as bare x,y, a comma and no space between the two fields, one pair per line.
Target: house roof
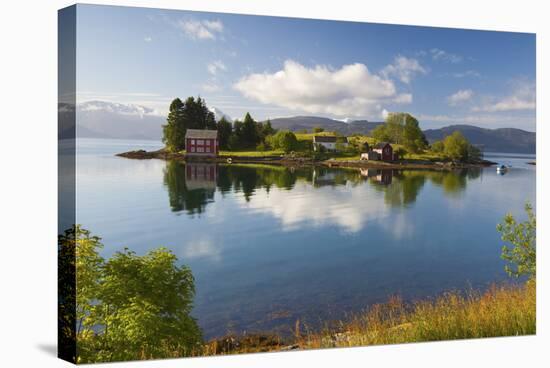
329,139
201,134
381,145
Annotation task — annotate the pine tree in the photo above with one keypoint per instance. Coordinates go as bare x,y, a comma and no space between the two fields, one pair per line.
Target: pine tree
175,129
225,130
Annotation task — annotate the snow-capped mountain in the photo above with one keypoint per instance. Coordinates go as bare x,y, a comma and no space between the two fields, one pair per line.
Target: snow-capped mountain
102,119
116,108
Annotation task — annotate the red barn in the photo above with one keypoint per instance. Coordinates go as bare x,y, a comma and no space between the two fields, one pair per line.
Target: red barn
200,142
384,150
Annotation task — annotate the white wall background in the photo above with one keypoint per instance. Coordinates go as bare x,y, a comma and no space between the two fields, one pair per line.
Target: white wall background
28,183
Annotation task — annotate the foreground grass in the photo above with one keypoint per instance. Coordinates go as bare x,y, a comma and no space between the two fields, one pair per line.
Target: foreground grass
507,310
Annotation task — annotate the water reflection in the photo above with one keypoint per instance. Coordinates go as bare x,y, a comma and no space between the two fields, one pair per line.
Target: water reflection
315,242
189,189
192,187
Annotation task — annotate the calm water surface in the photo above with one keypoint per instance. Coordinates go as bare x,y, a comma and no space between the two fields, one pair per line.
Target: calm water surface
268,246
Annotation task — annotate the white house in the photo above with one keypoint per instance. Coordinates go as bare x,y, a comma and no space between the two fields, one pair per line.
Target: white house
328,142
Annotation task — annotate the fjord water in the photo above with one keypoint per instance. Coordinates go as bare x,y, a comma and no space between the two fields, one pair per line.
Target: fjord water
269,245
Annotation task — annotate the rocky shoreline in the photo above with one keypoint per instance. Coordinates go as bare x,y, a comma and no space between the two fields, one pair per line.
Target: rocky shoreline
305,161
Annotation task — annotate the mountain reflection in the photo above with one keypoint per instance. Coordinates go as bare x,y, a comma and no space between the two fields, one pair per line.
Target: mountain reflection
192,186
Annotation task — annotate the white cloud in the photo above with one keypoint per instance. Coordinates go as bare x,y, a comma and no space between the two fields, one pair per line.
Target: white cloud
215,67
201,30
213,25
201,248
403,68
148,39
442,55
301,208
460,96
351,90
523,98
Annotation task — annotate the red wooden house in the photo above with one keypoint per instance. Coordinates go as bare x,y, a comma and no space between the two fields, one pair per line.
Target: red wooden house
385,151
200,142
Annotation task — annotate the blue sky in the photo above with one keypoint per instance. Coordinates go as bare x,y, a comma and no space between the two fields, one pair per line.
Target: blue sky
276,67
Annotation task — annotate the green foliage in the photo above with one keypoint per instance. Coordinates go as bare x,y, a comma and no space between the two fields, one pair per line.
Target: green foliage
249,133
225,129
456,146
522,236
268,129
79,267
284,140
318,130
129,307
174,130
400,152
438,147
401,128
474,153
380,134
413,137
193,114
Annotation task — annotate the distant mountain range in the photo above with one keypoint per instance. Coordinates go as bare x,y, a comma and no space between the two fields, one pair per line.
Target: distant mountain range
298,123
490,140
100,119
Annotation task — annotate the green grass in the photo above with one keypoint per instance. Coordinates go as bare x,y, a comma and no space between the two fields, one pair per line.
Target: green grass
501,311
309,136
304,146
251,153
506,310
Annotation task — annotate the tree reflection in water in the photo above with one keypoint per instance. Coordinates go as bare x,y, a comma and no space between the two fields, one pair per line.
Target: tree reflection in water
192,186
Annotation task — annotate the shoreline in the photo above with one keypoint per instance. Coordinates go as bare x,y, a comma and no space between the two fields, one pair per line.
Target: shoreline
305,161
503,309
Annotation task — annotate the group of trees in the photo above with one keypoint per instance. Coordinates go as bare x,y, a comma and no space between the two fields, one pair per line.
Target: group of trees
457,147
128,307
191,114
245,134
401,128
194,114
283,140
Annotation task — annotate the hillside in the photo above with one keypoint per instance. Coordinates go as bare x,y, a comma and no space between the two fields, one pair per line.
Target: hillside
490,140
100,119
299,123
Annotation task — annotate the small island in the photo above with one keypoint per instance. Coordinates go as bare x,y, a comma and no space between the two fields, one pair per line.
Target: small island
192,134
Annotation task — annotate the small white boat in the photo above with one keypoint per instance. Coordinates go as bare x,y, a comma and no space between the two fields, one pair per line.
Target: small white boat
502,169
